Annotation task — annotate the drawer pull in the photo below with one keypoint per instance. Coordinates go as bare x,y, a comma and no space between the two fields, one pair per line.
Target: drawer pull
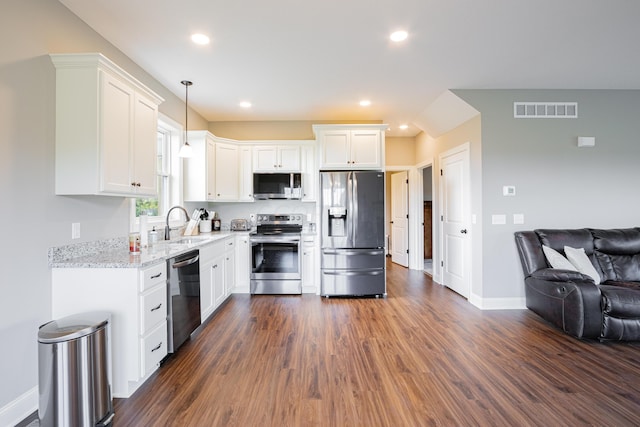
156,347
156,276
157,307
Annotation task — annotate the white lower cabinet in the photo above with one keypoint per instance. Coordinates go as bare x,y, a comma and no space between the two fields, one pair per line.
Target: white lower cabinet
137,301
216,281
229,266
243,263
308,264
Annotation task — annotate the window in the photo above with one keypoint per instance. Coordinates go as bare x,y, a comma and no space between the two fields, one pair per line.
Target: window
167,168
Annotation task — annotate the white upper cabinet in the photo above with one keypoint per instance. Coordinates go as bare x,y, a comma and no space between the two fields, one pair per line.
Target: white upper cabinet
106,127
198,172
350,146
309,173
226,170
276,158
213,173
246,174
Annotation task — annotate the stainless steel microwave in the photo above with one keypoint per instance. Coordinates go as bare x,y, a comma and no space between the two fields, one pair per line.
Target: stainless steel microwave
277,186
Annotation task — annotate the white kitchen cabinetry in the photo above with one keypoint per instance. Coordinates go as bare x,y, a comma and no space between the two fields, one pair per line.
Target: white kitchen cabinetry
199,174
309,173
245,170
243,263
212,174
308,264
226,172
229,266
276,158
106,127
350,146
212,291
137,301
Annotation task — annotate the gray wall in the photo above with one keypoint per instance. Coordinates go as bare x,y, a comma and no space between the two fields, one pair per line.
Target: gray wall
33,218
558,185
427,184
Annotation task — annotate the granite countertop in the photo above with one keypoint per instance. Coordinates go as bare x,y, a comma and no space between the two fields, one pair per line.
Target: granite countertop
114,253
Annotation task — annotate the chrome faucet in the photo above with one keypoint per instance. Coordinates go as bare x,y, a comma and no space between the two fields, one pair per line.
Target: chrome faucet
167,230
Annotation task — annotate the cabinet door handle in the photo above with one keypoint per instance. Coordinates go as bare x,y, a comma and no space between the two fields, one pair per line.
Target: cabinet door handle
156,347
157,307
156,276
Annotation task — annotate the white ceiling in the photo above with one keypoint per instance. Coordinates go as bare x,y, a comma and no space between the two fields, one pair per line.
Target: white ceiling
298,60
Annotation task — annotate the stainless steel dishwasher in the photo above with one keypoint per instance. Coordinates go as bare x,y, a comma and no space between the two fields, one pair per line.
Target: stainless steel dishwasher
183,298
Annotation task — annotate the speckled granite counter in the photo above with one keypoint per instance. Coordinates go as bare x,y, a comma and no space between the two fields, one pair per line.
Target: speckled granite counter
114,253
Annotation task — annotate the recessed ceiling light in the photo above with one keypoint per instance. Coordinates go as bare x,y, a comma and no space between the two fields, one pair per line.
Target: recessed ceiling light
403,127
245,104
398,36
365,103
200,39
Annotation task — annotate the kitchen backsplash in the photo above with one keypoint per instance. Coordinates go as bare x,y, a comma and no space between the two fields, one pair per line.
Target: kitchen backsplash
228,211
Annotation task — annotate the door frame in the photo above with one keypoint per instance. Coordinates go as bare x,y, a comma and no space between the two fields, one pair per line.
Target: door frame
415,226
465,149
392,226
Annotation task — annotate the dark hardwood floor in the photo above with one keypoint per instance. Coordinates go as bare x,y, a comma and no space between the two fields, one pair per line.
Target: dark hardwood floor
423,356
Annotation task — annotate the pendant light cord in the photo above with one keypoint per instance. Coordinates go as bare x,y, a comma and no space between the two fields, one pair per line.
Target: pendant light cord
186,84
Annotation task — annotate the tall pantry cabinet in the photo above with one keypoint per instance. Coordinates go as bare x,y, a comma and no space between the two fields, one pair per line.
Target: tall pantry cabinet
106,127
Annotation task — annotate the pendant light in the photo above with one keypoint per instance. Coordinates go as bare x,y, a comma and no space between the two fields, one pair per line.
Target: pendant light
186,150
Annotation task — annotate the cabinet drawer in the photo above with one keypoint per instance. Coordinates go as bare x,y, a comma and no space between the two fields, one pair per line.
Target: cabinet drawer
229,244
153,276
153,308
153,348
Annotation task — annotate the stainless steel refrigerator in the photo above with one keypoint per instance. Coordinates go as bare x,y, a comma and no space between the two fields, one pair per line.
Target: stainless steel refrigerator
352,227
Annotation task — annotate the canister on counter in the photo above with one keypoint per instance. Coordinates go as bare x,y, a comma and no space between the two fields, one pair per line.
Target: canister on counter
153,237
134,243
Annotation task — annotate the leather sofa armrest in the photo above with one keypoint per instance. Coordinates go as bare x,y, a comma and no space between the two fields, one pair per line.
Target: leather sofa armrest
568,299
558,275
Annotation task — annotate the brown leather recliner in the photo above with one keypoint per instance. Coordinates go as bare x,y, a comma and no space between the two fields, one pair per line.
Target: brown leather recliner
572,300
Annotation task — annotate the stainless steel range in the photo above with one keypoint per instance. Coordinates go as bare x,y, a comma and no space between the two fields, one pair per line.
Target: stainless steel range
276,261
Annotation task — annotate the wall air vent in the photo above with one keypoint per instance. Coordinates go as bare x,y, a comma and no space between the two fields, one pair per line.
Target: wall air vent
545,110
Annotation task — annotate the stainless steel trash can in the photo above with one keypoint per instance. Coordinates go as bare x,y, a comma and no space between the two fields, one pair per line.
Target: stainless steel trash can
74,371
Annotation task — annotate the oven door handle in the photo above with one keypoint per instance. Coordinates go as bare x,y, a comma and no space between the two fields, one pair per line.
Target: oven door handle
186,262
269,239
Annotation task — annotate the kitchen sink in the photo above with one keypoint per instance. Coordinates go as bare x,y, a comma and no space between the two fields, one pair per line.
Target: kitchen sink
188,240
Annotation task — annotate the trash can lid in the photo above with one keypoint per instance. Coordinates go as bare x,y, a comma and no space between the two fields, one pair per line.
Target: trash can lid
72,327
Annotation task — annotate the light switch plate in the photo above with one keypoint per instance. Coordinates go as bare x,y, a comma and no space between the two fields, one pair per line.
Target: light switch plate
509,190
75,230
518,218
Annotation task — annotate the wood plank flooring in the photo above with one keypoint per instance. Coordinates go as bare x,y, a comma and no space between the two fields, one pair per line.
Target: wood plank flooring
423,356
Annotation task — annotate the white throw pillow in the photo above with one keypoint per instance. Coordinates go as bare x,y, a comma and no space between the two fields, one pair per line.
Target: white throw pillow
580,260
556,260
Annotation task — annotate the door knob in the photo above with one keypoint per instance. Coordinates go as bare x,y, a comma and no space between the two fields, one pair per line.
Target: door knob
463,231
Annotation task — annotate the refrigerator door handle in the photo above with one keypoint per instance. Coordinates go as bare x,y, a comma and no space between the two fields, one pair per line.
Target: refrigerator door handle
352,252
353,272
350,213
355,208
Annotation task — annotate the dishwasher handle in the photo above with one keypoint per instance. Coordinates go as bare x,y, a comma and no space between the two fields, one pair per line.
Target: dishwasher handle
186,262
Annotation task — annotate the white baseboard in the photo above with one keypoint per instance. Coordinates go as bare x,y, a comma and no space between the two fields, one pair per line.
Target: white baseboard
20,408
498,303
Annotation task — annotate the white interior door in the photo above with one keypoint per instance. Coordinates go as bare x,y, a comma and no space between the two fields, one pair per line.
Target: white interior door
454,184
399,218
